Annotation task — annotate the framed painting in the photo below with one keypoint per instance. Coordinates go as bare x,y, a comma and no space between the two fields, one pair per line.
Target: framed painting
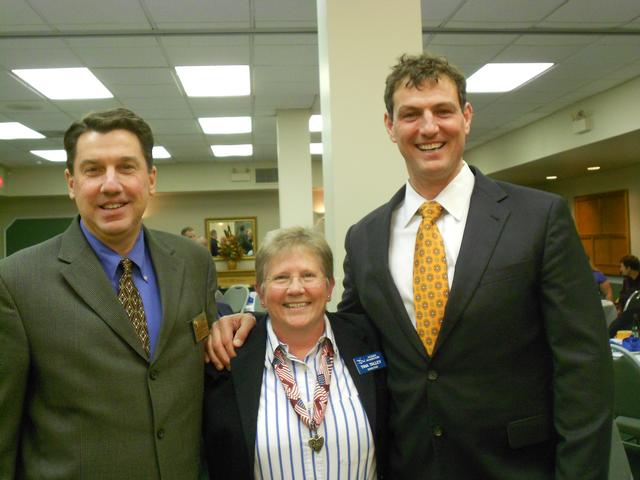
240,230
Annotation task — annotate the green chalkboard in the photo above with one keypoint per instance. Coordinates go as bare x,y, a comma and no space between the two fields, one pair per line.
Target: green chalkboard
24,232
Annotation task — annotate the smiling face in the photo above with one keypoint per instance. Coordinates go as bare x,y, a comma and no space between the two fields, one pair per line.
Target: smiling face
430,127
295,293
111,186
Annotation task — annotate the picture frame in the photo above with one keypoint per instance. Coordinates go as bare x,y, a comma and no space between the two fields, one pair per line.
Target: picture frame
245,229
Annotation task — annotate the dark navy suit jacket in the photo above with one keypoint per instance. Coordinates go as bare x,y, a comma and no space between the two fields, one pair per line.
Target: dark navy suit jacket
232,398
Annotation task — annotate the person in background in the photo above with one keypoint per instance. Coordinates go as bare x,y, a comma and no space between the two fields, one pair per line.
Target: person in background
102,327
602,282
213,244
188,232
498,364
249,245
630,270
295,404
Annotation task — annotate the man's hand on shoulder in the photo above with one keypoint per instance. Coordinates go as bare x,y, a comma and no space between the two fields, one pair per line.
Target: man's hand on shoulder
226,334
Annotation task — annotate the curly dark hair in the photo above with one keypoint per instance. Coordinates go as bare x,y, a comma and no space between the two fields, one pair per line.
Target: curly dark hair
631,261
414,70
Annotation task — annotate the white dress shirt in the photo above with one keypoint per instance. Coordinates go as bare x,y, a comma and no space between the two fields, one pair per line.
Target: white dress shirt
282,451
405,220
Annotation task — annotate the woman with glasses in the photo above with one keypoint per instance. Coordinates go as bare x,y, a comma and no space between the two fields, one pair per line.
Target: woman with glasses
306,396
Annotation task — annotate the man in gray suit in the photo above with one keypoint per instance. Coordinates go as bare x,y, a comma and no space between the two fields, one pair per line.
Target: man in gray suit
512,377
102,327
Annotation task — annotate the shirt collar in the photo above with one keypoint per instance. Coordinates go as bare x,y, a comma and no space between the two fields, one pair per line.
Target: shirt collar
111,259
273,342
454,198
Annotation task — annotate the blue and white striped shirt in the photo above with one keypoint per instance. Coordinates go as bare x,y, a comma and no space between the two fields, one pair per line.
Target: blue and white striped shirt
282,451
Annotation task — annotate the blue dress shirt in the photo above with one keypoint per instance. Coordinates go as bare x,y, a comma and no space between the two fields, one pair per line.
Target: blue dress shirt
144,277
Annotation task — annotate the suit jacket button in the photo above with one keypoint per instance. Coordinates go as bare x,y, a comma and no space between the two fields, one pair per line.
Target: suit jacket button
153,374
432,375
160,434
437,431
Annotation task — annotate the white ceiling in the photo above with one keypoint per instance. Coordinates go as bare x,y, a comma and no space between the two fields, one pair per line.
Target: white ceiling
133,45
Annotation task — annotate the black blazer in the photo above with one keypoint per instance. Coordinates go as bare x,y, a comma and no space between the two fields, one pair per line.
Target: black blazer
231,399
520,381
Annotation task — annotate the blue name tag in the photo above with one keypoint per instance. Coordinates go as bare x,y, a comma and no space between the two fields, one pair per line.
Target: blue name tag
369,362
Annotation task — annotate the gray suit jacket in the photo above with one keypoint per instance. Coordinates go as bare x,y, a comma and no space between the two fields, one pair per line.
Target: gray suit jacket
520,381
78,399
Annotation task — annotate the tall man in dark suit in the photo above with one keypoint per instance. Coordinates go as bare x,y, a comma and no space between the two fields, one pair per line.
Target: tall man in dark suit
506,374
101,327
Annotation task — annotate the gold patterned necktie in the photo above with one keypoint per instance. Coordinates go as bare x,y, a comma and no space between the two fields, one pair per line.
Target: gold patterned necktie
131,300
430,283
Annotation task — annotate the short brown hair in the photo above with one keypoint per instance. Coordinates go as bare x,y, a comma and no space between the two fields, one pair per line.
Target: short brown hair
414,70
285,239
631,261
104,122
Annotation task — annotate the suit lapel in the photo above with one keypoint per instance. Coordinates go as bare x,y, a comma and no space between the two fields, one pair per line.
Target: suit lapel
170,272
380,228
351,344
247,370
84,274
485,222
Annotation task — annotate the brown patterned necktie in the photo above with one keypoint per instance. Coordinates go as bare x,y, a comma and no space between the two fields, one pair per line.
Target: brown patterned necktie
430,283
131,300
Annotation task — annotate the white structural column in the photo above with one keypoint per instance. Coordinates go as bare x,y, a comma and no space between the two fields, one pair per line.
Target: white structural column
358,42
295,189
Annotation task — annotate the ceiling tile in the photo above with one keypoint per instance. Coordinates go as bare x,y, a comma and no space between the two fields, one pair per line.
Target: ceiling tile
436,12
502,13
199,14
99,57
98,15
286,55
17,15
285,14
593,13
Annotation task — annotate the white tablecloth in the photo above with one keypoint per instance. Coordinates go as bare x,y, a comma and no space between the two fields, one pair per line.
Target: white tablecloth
610,312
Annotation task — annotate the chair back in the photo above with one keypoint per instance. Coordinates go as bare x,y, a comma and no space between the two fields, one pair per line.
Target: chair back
626,373
236,297
633,302
218,295
257,305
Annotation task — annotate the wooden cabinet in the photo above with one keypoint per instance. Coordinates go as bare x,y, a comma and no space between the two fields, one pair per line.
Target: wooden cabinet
602,220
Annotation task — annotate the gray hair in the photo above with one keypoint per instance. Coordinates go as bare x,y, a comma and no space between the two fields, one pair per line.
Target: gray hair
284,239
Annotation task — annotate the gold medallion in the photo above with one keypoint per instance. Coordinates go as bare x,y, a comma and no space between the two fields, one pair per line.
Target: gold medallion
316,443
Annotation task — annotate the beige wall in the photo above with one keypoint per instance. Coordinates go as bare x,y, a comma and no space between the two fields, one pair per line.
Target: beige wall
609,112
620,179
167,211
182,177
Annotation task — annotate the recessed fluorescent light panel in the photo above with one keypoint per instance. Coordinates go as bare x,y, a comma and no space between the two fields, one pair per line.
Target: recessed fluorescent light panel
51,155
315,123
16,130
594,168
504,77
215,81
160,152
64,83
315,148
552,177
224,125
232,150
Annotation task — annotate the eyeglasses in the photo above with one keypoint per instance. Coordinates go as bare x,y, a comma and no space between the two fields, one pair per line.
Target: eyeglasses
306,280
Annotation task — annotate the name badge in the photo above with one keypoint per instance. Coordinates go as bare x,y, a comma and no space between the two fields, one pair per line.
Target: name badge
200,327
369,362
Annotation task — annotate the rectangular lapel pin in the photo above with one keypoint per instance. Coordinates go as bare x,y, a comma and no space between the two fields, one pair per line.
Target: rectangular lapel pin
369,362
200,327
